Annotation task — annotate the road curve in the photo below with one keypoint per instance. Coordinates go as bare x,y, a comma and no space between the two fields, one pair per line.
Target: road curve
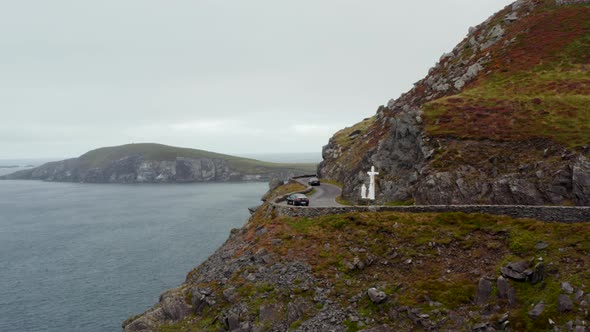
323,196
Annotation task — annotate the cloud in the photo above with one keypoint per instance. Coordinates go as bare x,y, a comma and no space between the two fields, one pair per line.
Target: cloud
245,76
316,129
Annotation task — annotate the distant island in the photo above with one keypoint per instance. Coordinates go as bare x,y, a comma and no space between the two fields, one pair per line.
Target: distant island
157,163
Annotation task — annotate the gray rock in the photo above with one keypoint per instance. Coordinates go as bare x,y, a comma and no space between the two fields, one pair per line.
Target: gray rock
174,306
200,300
564,303
579,295
503,287
541,245
484,290
538,273
511,17
537,310
376,295
147,322
459,84
567,288
493,37
569,325
231,321
517,271
472,72
518,4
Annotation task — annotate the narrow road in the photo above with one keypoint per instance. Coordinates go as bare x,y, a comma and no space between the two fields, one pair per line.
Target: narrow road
323,196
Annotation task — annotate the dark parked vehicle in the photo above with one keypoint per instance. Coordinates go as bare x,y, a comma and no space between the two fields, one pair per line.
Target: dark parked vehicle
297,199
314,182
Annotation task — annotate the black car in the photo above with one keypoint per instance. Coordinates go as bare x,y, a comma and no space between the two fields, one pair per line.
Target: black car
314,182
297,199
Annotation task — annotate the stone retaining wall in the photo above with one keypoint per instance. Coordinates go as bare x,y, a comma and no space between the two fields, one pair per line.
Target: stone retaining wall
545,213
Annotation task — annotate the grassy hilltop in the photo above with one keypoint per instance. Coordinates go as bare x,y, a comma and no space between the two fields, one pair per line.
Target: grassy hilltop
158,152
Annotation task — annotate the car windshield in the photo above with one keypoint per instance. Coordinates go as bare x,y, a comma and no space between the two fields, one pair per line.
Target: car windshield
299,196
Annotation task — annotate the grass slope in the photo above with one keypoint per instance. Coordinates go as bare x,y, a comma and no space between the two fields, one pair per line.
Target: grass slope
538,86
150,151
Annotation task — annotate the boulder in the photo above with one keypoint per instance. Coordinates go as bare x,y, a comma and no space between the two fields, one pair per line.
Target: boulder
231,321
201,299
567,288
564,303
538,273
484,290
503,287
541,245
376,296
174,306
537,310
517,271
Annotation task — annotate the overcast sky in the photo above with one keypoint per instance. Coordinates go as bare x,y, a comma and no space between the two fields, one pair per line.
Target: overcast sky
240,76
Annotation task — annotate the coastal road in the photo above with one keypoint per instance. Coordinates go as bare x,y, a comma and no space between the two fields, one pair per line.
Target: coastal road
324,195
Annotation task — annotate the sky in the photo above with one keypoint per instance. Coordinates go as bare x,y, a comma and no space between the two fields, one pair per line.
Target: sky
230,76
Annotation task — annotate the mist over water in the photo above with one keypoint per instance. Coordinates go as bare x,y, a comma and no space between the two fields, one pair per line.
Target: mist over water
84,257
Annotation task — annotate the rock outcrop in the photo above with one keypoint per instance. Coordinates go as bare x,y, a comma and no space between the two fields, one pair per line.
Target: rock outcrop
134,169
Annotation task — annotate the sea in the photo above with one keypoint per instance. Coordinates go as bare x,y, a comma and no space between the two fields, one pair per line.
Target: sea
84,257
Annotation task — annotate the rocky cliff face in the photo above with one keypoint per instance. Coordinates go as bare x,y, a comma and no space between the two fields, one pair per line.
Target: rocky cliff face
135,169
502,119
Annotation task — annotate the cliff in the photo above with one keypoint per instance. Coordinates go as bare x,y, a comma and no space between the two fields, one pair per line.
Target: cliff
504,118
155,163
384,271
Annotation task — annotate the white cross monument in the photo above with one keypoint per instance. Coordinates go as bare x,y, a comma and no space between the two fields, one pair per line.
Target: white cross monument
372,174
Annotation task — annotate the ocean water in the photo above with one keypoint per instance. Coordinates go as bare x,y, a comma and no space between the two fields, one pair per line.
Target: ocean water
84,257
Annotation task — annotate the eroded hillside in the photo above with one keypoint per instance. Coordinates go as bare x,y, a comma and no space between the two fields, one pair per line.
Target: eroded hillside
502,119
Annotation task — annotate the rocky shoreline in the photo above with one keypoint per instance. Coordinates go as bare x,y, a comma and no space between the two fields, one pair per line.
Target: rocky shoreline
136,169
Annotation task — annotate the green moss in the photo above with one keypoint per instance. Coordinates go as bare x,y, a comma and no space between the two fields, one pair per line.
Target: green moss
351,326
407,202
343,137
